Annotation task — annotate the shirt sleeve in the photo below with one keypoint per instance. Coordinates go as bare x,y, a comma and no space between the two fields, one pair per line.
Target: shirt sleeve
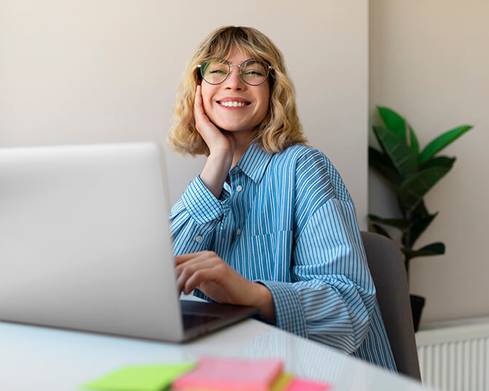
194,218
331,297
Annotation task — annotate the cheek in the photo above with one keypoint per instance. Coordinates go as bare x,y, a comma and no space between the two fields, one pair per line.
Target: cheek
207,94
264,105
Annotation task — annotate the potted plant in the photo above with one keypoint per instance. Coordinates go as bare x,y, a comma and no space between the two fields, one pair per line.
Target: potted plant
410,173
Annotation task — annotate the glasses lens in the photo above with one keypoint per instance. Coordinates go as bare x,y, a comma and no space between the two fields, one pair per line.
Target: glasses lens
214,71
254,72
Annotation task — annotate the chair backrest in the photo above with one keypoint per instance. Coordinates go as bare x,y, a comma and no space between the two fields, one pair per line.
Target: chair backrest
387,268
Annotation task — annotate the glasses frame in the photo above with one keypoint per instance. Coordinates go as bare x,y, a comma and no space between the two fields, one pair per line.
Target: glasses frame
268,67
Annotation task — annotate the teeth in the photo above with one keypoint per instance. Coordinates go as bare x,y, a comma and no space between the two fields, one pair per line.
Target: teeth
233,104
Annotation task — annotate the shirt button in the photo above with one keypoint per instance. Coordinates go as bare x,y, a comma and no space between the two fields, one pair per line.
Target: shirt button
199,238
239,188
238,232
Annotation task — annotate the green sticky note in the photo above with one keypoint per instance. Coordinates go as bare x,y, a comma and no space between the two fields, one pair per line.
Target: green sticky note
140,378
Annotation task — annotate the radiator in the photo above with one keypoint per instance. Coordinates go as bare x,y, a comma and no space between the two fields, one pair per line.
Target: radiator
454,355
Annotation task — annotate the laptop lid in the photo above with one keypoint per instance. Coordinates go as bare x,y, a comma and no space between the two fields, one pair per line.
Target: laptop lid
84,240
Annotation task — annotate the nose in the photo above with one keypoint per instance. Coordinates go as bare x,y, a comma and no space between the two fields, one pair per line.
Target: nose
234,82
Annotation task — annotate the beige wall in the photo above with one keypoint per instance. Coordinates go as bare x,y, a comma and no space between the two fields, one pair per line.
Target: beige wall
430,60
97,71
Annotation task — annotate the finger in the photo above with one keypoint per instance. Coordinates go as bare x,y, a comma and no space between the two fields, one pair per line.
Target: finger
182,258
189,270
198,95
199,277
201,257
194,263
198,104
198,258
199,111
184,277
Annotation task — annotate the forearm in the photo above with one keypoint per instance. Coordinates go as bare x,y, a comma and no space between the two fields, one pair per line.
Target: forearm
194,218
215,171
331,312
189,236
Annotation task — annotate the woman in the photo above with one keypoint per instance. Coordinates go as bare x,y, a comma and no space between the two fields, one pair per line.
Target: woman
268,222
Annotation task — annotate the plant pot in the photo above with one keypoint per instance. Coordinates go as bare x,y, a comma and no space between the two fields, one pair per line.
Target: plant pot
417,304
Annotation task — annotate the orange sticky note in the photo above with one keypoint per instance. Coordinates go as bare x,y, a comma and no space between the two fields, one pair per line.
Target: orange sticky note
282,382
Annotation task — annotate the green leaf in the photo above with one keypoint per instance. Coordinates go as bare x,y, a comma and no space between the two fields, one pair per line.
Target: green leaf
383,165
394,121
378,229
417,185
413,140
418,213
440,161
401,156
419,226
398,223
437,248
442,141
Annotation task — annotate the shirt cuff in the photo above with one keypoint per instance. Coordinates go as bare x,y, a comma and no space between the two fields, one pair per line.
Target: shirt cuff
200,203
289,314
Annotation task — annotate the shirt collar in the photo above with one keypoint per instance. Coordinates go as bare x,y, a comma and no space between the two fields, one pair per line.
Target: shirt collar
254,162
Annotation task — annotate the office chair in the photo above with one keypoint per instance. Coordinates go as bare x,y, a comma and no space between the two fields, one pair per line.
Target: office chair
387,268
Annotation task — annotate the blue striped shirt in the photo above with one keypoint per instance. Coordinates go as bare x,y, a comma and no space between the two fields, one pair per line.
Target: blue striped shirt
286,220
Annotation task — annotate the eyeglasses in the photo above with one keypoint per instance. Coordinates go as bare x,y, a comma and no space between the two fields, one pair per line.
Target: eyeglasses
252,72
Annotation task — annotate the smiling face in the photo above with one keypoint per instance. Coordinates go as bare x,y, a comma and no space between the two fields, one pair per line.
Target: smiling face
234,105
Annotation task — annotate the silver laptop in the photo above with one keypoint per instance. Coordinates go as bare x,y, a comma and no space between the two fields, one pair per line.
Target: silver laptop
85,244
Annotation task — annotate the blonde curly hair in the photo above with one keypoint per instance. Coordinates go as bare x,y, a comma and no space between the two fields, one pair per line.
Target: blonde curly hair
281,126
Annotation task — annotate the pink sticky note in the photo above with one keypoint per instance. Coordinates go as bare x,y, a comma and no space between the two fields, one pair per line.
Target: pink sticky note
231,375
306,385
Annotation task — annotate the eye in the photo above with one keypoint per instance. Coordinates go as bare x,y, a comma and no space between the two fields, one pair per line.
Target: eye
254,73
254,68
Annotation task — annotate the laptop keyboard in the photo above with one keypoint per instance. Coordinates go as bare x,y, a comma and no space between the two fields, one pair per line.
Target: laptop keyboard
193,320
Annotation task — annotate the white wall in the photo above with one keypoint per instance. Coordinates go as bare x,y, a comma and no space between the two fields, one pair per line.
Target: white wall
104,71
430,61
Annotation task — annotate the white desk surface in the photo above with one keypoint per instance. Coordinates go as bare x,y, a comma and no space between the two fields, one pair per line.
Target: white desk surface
37,358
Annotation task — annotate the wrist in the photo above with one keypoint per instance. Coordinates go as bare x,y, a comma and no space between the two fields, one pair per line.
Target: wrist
223,156
263,301
215,171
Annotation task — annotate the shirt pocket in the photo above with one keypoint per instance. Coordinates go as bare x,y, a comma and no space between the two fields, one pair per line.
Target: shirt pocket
268,255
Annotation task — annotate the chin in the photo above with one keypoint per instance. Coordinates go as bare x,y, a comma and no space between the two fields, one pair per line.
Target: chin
232,127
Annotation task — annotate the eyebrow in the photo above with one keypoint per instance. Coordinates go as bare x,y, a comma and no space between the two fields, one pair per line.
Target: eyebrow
240,62
248,59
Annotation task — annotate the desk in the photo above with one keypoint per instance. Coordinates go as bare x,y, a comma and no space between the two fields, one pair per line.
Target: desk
51,359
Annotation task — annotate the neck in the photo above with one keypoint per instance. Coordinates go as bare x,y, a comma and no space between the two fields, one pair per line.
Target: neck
242,141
